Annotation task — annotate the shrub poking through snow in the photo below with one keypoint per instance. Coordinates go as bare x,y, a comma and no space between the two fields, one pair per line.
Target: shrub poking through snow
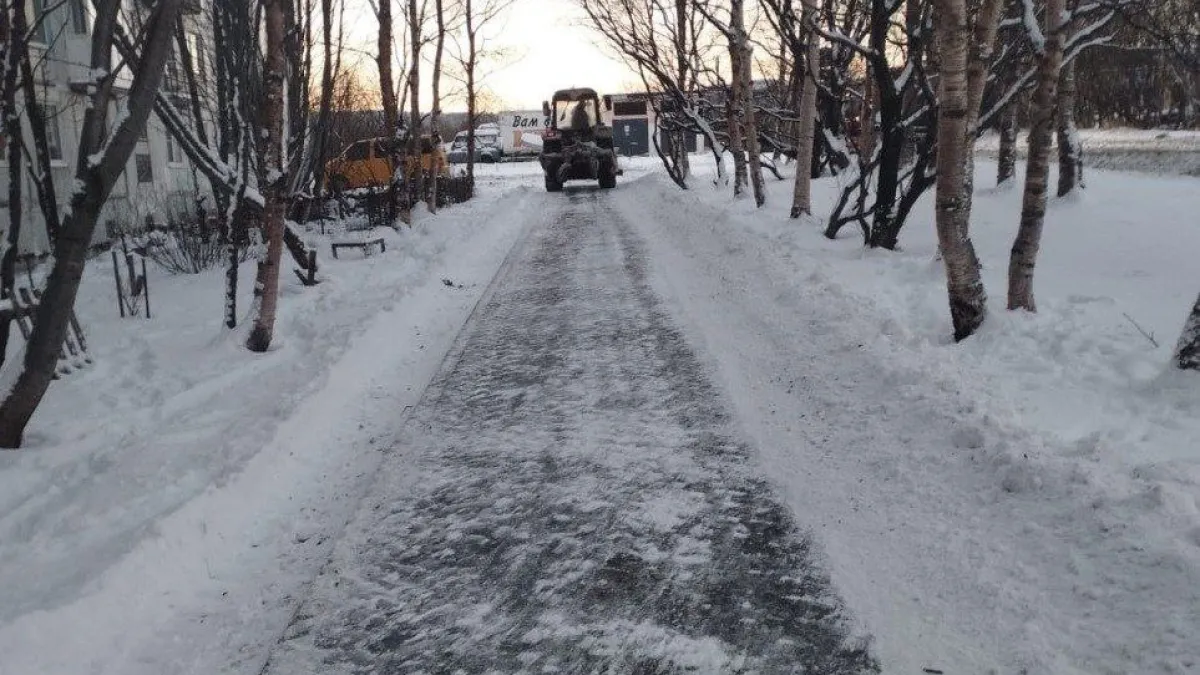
1187,353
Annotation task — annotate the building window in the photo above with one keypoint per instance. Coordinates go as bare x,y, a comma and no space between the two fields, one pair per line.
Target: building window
145,170
53,135
173,156
629,108
173,75
42,36
79,21
199,57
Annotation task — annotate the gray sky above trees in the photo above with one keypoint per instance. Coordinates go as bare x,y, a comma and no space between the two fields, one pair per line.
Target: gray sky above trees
548,43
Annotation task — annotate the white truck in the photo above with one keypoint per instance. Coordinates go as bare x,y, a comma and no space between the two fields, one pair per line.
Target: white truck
521,131
517,134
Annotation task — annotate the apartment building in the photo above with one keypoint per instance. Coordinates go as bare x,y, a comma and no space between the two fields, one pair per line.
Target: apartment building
158,179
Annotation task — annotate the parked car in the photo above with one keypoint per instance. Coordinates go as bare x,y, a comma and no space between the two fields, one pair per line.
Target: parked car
368,163
487,146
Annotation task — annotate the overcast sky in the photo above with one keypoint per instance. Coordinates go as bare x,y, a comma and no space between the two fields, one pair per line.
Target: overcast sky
550,47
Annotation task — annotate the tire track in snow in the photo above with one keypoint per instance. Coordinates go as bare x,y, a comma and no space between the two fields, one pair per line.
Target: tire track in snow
570,498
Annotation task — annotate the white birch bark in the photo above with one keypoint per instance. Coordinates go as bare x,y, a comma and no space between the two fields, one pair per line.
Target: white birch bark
1033,203
802,192
968,301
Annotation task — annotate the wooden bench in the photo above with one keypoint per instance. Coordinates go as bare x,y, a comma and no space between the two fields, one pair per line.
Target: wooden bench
366,245
21,308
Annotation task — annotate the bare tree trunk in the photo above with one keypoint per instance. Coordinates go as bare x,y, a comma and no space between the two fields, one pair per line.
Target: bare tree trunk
968,301
802,194
1070,150
414,85
13,44
297,41
1007,161
885,227
325,109
472,95
1187,351
683,69
43,175
735,111
232,28
387,84
271,167
979,62
102,158
866,131
187,61
743,100
435,113
753,150
1033,202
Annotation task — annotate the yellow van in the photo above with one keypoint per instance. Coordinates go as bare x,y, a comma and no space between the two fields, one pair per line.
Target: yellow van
368,164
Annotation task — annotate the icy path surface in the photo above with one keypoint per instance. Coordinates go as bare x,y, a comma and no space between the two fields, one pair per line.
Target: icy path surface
571,497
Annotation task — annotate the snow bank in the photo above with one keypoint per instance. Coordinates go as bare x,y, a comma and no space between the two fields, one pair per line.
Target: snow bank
1026,501
174,499
1157,151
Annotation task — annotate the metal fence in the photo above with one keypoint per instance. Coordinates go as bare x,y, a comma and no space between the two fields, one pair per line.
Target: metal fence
381,206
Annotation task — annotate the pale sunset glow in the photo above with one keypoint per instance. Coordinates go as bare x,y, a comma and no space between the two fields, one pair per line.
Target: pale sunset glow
546,45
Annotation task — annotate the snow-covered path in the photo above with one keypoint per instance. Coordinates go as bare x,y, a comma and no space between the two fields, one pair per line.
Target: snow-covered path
572,495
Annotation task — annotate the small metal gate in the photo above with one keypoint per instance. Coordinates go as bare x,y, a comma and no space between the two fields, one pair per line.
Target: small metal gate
631,137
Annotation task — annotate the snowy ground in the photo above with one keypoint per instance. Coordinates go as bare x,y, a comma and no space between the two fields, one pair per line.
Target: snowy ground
1028,501
174,499
571,497
1159,151
1023,502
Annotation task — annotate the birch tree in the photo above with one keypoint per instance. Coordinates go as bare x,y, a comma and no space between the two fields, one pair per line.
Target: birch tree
325,106
968,301
435,111
416,20
749,117
12,41
478,16
1006,160
1037,168
237,64
383,60
805,137
103,154
743,134
1070,149
272,178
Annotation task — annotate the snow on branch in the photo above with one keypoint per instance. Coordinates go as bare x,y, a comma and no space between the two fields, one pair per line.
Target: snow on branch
833,34
1032,29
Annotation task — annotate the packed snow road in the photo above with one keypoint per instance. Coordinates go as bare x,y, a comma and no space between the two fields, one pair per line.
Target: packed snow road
571,496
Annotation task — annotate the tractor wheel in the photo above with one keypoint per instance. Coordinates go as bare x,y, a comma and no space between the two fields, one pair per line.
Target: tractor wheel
553,185
608,177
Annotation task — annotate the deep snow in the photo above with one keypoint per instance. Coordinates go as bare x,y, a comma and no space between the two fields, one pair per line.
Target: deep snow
1156,151
1025,500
